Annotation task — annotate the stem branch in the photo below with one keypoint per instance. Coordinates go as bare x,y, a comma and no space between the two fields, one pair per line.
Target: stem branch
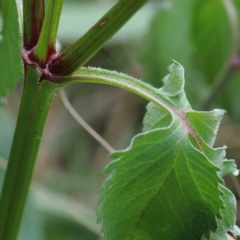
79,53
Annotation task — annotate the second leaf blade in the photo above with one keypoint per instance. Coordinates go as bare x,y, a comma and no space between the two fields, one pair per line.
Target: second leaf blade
160,181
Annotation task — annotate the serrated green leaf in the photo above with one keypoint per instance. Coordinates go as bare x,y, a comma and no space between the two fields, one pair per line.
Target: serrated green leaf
167,184
10,57
217,157
174,93
177,186
229,167
139,188
173,88
174,82
227,223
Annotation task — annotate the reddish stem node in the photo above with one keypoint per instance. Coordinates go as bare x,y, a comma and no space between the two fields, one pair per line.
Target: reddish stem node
29,58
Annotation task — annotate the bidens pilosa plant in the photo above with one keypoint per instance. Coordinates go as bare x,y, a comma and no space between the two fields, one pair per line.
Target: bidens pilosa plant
168,184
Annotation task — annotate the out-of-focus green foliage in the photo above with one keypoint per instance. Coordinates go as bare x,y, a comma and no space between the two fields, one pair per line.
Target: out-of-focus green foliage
203,36
213,37
82,16
229,98
10,57
169,37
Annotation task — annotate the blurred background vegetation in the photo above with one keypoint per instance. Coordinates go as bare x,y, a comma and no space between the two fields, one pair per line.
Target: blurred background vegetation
203,35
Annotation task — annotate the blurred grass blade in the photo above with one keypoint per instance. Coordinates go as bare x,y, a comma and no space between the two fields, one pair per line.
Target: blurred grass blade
20,14
214,37
233,18
10,57
78,54
65,206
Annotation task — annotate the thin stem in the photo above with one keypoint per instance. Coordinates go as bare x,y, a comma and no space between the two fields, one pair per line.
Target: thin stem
97,75
83,123
78,54
216,90
33,15
232,14
32,114
47,40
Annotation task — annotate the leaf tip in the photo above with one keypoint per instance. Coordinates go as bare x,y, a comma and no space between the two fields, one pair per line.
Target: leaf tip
174,82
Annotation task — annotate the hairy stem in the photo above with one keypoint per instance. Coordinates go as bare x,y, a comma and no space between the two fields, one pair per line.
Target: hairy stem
97,75
34,107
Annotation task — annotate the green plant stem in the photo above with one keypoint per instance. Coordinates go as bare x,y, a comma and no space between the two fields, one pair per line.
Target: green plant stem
34,107
47,40
33,15
79,53
97,75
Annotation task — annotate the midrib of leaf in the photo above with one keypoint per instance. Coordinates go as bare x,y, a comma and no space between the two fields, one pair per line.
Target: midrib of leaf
194,180
167,174
153,161
180,186
197,135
